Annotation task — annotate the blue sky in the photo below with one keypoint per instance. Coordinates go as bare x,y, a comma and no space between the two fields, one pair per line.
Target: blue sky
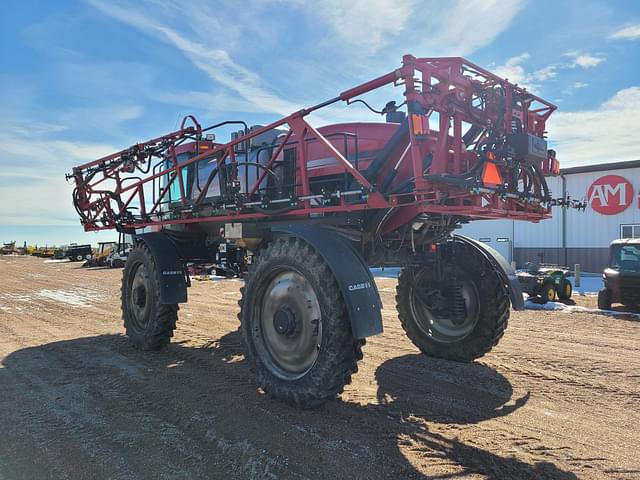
82,79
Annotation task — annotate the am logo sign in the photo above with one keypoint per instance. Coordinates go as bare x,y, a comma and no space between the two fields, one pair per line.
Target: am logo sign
610,194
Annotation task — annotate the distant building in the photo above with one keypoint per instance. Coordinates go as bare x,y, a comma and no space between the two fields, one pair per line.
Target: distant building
612,191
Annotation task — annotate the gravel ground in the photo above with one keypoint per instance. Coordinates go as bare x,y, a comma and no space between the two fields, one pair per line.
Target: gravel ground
559,397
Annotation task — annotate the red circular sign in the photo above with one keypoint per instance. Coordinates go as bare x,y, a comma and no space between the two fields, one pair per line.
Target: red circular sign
610,195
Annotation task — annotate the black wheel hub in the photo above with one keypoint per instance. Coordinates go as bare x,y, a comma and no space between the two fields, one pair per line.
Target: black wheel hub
290,330
139,296
285,320
446,311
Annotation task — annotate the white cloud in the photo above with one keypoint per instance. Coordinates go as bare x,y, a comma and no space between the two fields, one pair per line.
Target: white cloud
39,164
513,69
215,62
49,152
358,30
603,134
367,25
36,155
546,73
211,103
457,29
46,202
584,60
627,33
372,33
573,87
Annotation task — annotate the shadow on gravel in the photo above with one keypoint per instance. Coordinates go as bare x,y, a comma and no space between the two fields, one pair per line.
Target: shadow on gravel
95,408
442,391
633,309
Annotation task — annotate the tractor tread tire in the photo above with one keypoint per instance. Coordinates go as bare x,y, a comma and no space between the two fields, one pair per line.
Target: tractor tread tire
340,351
164,317
493,321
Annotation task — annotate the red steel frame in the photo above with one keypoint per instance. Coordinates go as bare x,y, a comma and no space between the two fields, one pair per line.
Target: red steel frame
443,85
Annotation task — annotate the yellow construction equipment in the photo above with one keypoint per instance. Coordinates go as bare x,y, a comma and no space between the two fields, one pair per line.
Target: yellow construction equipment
99,259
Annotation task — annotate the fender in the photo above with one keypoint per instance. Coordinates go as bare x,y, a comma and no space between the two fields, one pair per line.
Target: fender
352,274
173,279
502,267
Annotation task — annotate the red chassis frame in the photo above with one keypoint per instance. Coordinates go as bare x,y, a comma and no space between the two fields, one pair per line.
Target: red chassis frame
448,86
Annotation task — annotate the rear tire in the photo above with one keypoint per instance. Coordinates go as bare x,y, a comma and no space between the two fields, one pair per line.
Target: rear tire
604,299
148,322
473,339
295,330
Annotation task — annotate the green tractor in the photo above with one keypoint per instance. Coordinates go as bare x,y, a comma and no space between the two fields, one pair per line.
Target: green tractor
546,282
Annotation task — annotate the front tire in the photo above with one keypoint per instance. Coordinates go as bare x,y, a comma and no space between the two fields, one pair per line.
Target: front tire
294,326
483,298
148,322
604,299
548,293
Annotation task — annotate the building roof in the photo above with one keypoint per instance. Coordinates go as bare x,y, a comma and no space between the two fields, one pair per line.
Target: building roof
601,167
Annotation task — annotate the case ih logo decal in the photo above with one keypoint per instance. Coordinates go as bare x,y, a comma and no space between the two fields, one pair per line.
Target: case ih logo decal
359,286
610,195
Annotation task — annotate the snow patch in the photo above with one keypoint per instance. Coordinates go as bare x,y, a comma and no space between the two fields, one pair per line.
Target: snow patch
57,261
15,297
561,307
78,297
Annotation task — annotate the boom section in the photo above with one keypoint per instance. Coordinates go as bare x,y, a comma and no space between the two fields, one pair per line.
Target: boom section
464,142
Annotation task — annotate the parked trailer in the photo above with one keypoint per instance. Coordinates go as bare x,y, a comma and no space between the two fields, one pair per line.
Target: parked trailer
78,253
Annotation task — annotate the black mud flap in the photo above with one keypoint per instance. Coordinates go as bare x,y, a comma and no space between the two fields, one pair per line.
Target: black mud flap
502,267
173,278
352,274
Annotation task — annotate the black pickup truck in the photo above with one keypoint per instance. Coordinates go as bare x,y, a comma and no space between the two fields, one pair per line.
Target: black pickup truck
622,276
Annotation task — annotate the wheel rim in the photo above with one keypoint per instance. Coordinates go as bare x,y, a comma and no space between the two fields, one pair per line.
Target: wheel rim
439,327
551,294
139,300
567,289
290,326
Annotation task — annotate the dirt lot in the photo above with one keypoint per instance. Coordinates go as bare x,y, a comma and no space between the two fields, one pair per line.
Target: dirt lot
558,398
